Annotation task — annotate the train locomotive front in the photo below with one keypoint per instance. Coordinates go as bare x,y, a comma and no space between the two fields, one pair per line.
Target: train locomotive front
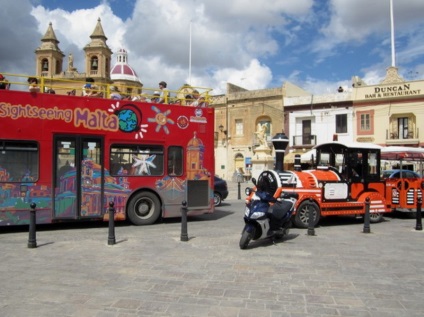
343,177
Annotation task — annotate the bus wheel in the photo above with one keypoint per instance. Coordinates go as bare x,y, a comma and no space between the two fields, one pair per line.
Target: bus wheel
301,219
144,209
376,217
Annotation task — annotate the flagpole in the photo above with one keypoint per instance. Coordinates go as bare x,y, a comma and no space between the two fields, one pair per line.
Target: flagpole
392,34
189,60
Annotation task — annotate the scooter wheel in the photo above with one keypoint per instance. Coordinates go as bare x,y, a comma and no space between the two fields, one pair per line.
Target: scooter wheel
245,239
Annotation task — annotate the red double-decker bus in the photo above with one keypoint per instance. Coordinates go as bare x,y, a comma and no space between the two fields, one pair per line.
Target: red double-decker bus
72,155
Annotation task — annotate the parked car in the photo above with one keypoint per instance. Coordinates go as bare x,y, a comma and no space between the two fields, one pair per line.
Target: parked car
220,190
396,174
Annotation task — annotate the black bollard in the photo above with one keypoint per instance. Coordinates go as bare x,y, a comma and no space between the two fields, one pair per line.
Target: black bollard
311,229
32,240
111,238
419,225
184,210
239,194
367,228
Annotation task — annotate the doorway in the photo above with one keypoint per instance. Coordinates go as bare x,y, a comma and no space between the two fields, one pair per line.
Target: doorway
78,177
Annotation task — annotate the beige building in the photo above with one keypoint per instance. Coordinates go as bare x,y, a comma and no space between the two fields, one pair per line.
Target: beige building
390,113
237,115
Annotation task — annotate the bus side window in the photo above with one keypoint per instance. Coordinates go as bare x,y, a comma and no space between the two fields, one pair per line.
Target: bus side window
19,161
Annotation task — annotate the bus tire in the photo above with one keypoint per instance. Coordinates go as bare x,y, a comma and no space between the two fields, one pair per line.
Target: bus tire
144,209
301,218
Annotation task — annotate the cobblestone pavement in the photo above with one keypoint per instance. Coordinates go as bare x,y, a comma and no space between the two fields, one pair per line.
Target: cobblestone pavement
340,271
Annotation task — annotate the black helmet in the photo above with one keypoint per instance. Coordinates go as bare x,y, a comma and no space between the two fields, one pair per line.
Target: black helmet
163,84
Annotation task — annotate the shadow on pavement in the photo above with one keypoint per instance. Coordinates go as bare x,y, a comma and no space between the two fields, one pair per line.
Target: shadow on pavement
218,214
269,242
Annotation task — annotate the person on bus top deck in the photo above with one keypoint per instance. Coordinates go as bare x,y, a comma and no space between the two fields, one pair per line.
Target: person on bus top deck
164,93
4,83
114,93
156,97
89,89
142,98
188,99
198,101
33,84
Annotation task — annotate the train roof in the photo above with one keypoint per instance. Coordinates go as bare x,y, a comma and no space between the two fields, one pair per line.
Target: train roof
350,145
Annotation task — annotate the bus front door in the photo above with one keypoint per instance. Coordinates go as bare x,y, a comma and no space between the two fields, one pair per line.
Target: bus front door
78,177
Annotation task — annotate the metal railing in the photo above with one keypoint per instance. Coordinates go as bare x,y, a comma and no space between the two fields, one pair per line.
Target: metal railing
304,139
185,95
404,135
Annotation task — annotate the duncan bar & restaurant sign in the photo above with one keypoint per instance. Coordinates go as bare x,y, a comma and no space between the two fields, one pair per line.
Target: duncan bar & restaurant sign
398,90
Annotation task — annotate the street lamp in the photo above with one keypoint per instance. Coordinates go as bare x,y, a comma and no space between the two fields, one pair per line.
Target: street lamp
221,128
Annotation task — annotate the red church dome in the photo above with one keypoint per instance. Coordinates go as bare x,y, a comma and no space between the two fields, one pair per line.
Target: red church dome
122,70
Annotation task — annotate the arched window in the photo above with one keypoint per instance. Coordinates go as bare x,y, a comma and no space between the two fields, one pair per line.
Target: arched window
239,163
94,63
45,65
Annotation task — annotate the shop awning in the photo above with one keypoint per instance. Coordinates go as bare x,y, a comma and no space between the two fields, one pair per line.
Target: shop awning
404,153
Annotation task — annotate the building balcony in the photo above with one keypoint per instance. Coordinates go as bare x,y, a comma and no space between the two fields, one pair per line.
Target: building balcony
407,138
304,141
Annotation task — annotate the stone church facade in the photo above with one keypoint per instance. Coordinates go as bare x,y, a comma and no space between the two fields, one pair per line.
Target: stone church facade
98,60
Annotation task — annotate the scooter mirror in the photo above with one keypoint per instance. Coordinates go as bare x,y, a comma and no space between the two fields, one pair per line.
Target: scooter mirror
248,191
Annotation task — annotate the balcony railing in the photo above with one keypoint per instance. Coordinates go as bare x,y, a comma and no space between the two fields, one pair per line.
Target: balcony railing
304,140
405,137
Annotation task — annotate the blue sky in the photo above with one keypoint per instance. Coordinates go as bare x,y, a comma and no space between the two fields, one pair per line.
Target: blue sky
318,45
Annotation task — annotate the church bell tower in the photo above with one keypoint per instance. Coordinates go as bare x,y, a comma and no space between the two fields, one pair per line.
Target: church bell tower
98,55
49,57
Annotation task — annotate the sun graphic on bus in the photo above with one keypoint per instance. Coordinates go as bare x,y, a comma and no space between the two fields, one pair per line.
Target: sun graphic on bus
129,119
161,119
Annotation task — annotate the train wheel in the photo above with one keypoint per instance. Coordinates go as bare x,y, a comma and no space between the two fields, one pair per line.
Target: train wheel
376,217
144,209
301,219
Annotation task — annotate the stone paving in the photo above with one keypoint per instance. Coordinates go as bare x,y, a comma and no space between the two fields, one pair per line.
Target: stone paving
340,271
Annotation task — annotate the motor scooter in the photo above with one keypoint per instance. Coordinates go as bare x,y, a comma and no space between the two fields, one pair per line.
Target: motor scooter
267,216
